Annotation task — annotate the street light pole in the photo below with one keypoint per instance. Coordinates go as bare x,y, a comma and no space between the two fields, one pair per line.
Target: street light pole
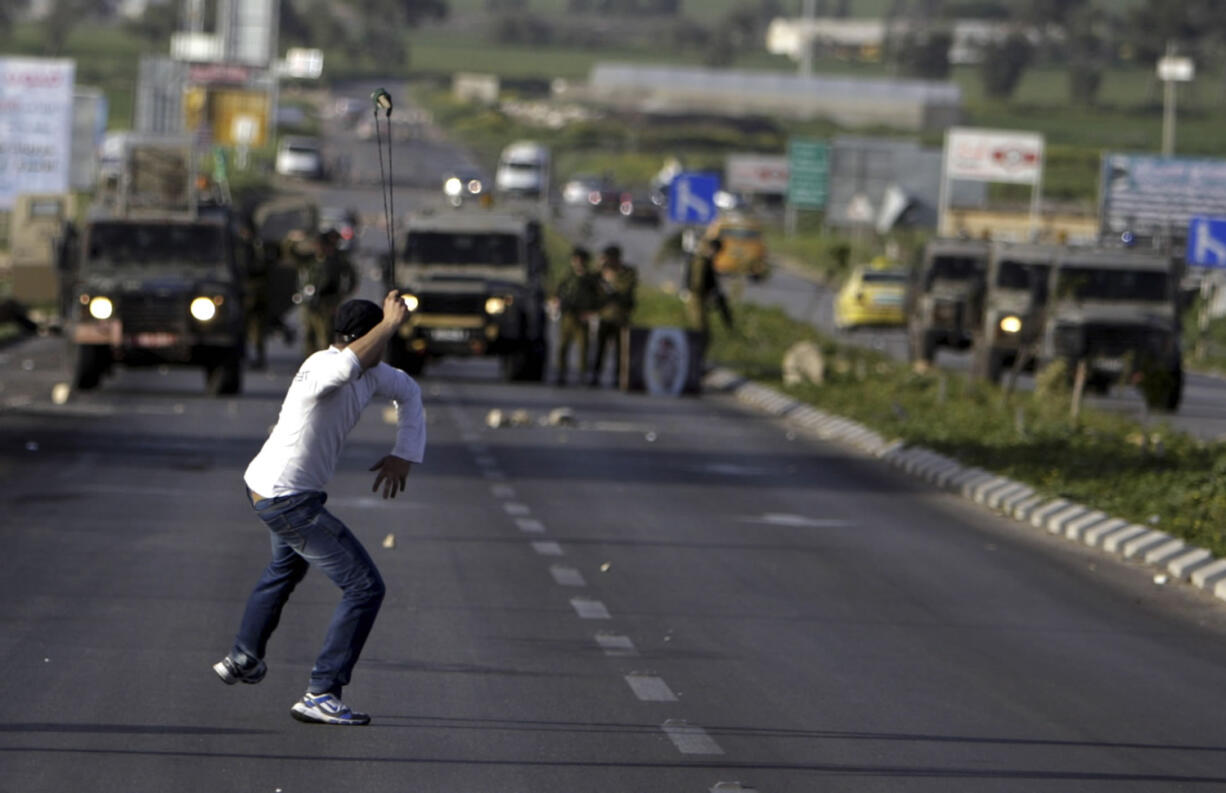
806,37
1172,69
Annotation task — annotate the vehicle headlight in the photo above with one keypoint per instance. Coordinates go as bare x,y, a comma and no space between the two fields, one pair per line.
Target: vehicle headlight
1011,324
475,186
410,301
453,186
496,305
203,308
101,308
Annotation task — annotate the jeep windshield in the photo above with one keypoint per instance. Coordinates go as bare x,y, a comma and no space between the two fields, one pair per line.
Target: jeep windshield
1021,275
156,245
955,268
430,247
1092,283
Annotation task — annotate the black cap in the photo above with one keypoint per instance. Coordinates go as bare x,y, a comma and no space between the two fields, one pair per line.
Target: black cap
355,318
580,252
613,251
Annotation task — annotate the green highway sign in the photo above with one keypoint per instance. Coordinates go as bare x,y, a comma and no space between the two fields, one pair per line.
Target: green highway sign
808,173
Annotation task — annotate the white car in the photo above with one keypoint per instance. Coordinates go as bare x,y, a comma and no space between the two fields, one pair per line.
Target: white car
300,157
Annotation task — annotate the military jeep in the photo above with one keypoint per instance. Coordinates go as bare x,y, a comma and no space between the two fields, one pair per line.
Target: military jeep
1116,310
473,282
148,291
1015,294
943,297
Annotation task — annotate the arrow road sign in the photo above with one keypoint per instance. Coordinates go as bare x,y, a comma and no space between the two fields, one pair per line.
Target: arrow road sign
692,198
1207,242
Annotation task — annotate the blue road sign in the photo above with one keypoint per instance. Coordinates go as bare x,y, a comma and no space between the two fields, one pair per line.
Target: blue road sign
1207,242
691,199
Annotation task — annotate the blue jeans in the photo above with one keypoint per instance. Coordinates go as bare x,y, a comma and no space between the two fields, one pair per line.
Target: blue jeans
306,534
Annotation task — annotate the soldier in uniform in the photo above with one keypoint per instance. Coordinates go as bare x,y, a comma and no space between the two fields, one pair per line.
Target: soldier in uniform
328,277
618,282
702,285
577,299
255,292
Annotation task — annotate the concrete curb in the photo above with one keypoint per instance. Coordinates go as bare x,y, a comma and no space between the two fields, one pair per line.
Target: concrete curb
1166,555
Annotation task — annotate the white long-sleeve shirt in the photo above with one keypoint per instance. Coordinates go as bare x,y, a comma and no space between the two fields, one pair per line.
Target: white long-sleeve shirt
322,405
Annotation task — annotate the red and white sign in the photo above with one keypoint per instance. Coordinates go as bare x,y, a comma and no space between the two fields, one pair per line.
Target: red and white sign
988,155
763,174
35,126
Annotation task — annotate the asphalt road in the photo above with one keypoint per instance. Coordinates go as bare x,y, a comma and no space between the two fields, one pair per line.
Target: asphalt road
666,595
663,596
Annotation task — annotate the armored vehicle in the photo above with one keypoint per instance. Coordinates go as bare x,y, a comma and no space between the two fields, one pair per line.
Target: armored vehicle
152,277
1116,309
943,299
474,285
1014,297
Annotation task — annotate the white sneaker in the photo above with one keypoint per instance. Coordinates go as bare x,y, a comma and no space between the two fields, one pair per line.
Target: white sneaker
326,709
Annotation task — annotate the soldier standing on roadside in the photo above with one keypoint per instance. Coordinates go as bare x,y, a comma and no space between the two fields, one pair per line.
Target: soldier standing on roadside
328,277
619,282
702,285
255,293
577,298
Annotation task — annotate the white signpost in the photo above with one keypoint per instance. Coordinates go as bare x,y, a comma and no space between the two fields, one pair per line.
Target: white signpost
35,126
991,155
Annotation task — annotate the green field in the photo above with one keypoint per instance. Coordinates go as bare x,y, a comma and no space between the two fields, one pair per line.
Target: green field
713,9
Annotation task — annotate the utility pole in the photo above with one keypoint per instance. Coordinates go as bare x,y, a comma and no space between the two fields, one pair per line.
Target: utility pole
1172,69
806,37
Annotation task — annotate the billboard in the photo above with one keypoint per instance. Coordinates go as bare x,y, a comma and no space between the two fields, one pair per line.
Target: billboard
1153,196
35,126
760,174
989,155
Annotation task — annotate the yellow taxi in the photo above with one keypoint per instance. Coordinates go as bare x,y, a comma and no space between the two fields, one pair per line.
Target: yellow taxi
872,295
744,249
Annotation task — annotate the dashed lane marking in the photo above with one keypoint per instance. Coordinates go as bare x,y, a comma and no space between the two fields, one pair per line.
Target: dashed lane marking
485,461
690,739
547,548
589,609
493,475
797,521
502,491
650,688
516,508
614,644
530,525
567,576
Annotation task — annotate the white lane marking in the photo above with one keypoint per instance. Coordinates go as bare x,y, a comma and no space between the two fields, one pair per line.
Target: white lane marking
615,644
530,525
515,508
732,469
589,609
796,521
649,688
494,475
547,548
690,739
485,461
732,787
567,576
502,491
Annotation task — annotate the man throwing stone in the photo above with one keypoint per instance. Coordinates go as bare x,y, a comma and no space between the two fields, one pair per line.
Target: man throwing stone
286,481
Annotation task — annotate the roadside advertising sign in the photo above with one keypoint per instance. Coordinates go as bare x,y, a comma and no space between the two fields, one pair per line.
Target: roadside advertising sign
988,155
1151,195
761,174
36,116
808,173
